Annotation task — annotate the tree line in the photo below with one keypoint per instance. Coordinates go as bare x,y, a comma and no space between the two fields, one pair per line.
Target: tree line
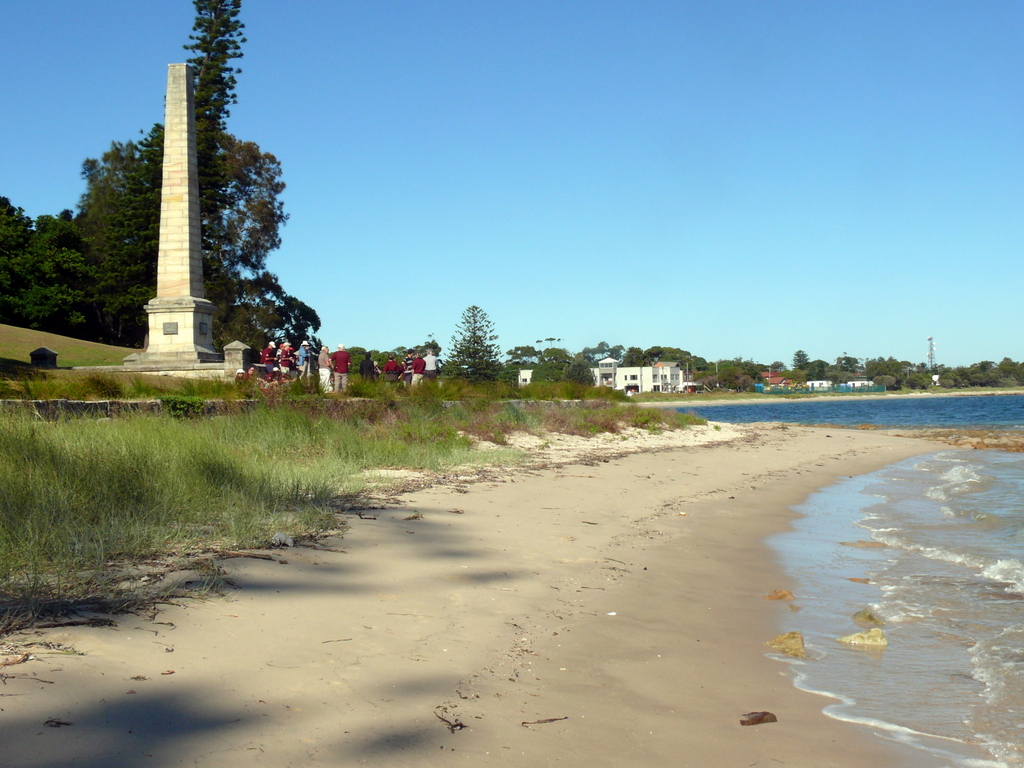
550,361
88,273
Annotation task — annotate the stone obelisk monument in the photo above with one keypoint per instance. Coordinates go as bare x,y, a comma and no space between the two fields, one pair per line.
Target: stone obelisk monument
180,318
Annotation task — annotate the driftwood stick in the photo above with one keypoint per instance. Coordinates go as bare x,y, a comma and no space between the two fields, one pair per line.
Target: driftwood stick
546,720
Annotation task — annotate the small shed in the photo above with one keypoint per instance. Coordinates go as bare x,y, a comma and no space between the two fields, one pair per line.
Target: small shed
43,358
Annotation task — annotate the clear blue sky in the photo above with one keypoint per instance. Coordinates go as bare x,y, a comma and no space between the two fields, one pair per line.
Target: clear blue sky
734,178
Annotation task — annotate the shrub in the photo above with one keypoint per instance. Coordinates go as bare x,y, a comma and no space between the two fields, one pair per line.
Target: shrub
104,387
182,406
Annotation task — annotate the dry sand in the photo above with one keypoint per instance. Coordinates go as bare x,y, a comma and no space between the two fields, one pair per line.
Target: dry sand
622,596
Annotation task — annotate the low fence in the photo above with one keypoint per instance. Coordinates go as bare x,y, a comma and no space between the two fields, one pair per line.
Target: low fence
839,389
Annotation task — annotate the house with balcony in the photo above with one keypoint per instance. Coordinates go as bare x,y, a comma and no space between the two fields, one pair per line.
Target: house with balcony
660,377
663,376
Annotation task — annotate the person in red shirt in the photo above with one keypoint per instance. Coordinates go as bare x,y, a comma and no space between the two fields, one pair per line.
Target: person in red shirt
418,366
286,360
339,362
392,369
268,358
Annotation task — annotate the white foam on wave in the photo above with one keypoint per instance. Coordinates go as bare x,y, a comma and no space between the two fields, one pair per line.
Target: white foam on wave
1009,572
986,672
956,481
908,737
998,665
933,553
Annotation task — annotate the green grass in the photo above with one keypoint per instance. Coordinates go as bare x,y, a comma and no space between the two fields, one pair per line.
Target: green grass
17,343
34,384
88,494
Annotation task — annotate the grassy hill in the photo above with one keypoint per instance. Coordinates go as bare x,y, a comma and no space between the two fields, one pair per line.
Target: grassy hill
17,343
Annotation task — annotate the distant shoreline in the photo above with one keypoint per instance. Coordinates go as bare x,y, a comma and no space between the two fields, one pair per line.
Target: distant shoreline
818,398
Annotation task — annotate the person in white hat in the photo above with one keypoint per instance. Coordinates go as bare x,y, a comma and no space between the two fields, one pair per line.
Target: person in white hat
303,359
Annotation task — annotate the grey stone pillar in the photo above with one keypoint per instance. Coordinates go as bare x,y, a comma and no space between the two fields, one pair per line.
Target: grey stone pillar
237,355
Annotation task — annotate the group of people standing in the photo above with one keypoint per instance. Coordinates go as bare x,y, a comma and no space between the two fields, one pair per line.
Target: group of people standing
283,363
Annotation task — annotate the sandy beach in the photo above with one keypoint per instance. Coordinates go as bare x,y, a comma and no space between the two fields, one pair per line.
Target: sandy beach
607,611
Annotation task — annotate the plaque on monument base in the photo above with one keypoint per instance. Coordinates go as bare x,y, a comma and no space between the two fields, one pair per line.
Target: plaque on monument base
180,335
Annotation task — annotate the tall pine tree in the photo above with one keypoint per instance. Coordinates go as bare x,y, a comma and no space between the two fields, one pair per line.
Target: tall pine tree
474,351
216,43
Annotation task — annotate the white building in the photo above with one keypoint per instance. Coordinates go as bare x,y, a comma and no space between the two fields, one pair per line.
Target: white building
660,377
827,386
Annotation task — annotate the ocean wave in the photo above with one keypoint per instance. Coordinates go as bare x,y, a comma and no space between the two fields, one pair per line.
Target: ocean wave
927,742
932,553
956,481
998,664
1009,572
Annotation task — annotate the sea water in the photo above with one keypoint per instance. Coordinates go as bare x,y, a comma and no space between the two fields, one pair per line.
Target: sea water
934,547
966,412
939,538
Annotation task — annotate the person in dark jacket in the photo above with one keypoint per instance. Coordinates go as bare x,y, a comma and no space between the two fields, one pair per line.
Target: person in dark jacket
367,368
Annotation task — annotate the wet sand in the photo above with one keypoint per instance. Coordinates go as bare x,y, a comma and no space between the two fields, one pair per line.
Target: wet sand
621,600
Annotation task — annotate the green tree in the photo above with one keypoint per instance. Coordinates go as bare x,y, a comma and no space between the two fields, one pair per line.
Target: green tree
239,190
549,371
602,351
580,371
15,237
674,355
919,381
653,355
633,357
53,297
474,353
119,215
556,356
800,360
1012,373
432,345
241,211
509,374
42,271
847,364
217,42
522,356
817,370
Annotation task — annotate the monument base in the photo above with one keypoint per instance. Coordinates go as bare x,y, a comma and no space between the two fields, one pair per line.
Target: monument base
180,334
140,361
